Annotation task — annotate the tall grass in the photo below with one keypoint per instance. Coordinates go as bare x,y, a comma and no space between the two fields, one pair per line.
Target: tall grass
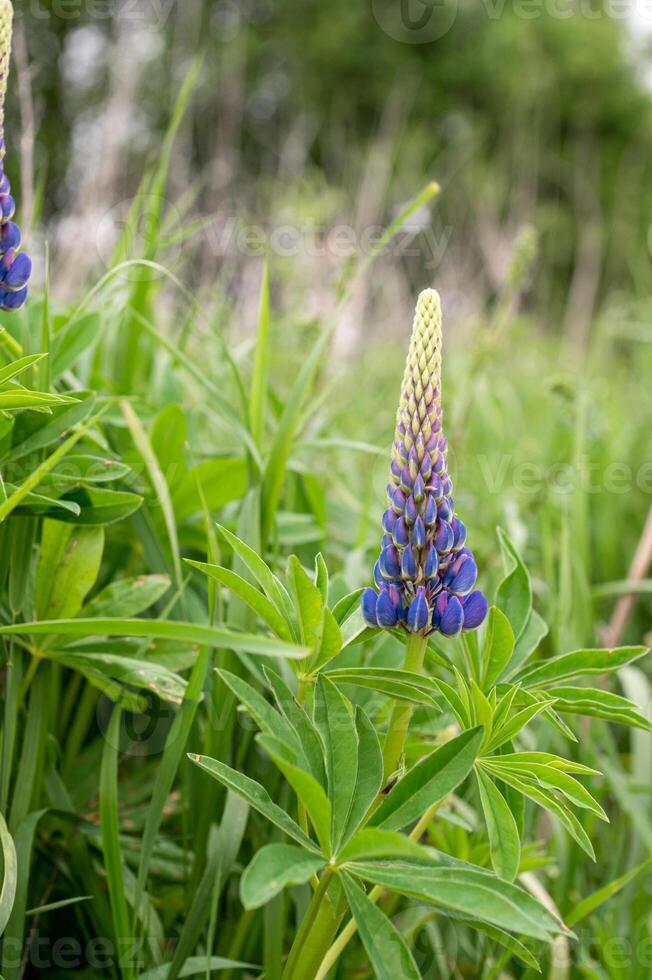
151,419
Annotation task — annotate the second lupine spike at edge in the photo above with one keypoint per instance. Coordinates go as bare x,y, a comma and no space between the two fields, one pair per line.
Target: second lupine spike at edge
15,266
425,575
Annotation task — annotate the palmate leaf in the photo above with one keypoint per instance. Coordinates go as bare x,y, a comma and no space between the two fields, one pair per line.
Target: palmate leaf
403,685
504,840
266,717
272,869
579,663
556,779
39,503
256,796
429,781
321,577
464,890
331,641
307,789
300,723
255,599
514,594
14,368
515,723
456,704
346,605
372,843
498,648
534,631
269,583
335,723
99,506
69,562
145,674
61,420
388,952
308,602
517,759
369,776
127,596
222,480
547,799
598,704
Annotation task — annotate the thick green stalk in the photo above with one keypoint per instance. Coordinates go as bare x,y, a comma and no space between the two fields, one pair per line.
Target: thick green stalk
374,895
402,713
317,931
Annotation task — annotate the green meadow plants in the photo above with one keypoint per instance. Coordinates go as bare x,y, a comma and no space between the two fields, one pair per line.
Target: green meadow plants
255,724
370,785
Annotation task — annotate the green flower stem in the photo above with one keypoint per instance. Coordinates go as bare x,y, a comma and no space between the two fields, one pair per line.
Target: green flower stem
310,949
317,931
350,929
399,723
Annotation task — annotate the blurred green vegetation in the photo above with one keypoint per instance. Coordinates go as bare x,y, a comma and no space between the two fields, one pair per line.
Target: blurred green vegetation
310,117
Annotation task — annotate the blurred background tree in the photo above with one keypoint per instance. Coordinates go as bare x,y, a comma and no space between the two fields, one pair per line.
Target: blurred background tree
312,114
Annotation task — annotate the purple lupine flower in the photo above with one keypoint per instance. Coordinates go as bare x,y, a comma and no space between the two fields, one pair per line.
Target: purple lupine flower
15,266
425,575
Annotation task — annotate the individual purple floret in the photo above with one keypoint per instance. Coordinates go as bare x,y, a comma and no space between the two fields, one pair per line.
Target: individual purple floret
425,575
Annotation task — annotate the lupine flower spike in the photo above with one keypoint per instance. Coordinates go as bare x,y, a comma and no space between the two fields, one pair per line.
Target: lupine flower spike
15,266
425,574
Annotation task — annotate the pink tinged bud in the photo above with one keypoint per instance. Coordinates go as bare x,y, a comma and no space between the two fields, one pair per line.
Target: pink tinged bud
443,536
418,613
419,533
475,608
394,593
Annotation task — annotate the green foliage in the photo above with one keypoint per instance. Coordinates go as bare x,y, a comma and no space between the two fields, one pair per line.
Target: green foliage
180,577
